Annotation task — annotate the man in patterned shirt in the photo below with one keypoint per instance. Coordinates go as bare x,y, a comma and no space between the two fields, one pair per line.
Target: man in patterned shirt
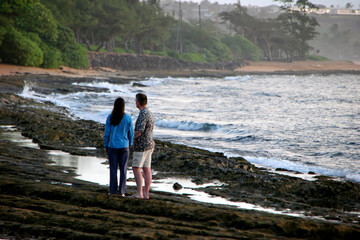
143,147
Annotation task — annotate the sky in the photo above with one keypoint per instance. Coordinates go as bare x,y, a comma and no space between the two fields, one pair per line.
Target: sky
328,3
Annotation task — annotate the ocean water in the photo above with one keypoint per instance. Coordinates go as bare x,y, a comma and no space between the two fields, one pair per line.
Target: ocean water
300,123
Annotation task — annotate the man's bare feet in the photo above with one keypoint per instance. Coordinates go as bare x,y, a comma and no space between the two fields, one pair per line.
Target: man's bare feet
137,196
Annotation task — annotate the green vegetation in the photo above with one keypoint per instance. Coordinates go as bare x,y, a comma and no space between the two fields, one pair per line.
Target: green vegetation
193,57
242,48
31,36
60,32
316,58
18,49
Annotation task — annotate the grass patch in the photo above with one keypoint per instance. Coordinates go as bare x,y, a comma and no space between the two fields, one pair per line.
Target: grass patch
316,58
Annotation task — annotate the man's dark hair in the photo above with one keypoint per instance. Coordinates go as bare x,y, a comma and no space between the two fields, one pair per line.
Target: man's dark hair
141,98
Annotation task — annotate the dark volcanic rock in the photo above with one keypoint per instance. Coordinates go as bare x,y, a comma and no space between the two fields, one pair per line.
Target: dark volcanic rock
177,186
50,127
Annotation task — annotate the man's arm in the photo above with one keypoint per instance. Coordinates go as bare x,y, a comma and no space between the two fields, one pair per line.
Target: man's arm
137,134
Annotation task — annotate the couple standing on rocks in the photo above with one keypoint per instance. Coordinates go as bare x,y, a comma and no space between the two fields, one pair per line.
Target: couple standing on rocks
120,137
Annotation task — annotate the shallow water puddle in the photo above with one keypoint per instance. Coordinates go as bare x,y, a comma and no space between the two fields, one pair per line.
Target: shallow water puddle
87,168
11,133
93,169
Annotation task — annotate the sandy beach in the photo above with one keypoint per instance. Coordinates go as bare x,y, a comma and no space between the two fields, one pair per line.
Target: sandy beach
299,66
11,70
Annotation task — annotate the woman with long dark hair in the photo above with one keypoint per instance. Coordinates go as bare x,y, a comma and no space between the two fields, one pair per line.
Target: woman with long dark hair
118,139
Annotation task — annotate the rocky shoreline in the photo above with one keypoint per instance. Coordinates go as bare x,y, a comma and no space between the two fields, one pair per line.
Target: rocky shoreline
39,200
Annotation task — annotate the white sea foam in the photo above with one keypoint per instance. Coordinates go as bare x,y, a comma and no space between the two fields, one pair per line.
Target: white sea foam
241,78
113,88
186,125
303,168
153,81
354,176
73,101
29,93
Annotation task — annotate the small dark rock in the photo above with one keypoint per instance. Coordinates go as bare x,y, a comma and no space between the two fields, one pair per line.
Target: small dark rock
138,85
282,170
177,186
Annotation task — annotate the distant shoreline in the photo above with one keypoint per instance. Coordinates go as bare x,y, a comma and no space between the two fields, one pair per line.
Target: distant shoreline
309,66
251,68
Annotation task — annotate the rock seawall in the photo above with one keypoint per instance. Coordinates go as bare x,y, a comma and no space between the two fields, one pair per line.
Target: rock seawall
133,62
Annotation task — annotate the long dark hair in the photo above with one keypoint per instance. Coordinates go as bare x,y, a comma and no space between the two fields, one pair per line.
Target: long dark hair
118,111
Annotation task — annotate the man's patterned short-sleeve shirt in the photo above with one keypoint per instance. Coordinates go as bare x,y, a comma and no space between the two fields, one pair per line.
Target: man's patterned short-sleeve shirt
145,124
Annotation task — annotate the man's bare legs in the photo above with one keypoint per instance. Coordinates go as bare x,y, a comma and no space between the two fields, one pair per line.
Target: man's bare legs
139,182
148,179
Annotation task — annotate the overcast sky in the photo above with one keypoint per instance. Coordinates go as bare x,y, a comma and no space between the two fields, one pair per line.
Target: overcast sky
328,3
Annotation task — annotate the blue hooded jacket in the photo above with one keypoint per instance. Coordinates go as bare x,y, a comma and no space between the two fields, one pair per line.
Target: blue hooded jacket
119,136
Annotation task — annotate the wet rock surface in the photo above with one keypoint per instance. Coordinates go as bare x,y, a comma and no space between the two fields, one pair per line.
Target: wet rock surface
41,200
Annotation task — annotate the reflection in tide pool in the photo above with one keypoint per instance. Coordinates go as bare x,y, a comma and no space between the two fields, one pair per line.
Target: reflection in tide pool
87,168
11,133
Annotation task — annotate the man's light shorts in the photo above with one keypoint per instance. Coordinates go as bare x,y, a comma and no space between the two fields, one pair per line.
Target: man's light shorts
142,159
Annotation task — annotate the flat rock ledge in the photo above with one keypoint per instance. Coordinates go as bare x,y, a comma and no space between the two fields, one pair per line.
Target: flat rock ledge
38,200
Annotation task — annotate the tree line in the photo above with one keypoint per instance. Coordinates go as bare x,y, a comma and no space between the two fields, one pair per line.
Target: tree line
287,35
60,32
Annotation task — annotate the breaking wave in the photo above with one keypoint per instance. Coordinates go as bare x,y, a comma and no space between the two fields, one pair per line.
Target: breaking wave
187,125
305,168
